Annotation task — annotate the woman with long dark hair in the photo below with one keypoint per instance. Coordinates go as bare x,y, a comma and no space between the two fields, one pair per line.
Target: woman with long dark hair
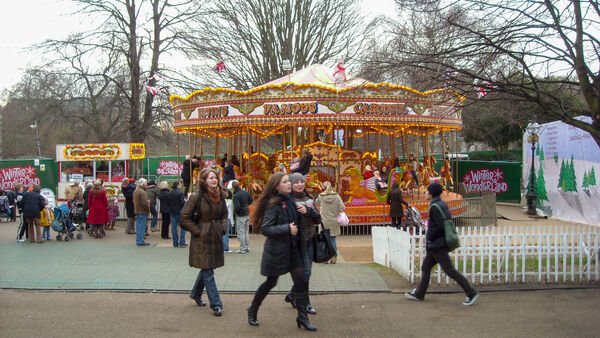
284,250
205,217
395,200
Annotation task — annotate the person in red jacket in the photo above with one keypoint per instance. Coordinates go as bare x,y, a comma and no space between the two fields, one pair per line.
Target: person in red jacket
98,209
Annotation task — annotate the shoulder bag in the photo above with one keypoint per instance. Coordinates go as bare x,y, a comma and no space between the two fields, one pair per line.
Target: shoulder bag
450,234
323,249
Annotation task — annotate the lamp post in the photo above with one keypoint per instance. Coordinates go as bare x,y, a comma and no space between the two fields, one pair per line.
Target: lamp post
37,135
533,127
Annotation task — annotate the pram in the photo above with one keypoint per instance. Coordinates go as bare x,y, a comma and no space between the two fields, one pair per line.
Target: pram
4,208
63,225
77,213
413,221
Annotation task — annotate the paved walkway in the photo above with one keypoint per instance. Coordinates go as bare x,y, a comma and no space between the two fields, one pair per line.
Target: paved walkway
90,264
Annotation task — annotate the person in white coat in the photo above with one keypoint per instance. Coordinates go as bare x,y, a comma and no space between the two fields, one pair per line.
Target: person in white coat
331,205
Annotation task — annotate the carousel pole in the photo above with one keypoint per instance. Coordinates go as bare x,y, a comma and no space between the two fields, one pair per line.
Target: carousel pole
337,170
195,144
443,145
456,157
178,148
191,166
201,147
248,145
217,150
283,147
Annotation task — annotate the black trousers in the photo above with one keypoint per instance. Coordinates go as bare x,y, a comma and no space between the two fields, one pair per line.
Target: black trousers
166,221
440,256
396,221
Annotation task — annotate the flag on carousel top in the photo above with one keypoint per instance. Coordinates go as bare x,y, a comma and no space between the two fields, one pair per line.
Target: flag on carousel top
152,90
340,73
219,67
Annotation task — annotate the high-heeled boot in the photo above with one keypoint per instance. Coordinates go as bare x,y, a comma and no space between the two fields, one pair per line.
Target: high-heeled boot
309,308
253,309
291,298
302,319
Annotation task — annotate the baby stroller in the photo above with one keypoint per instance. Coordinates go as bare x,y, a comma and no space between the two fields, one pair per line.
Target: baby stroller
63,225
77,213
413,221
4,208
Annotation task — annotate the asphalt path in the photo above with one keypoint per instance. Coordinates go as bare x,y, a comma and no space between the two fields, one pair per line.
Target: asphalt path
548,313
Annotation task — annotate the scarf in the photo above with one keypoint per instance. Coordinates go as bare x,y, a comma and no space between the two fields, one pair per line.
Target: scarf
290,206
214,195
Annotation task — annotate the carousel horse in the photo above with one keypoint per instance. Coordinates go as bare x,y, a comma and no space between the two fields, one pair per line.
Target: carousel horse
423,175
360,188
247,183
407,180
313,183
446,175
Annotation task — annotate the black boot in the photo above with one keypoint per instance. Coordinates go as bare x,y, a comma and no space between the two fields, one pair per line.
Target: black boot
291,298
302,319
252,311
309,307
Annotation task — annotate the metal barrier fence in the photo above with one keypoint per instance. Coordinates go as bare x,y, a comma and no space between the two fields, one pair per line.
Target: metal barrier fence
478,210
471,211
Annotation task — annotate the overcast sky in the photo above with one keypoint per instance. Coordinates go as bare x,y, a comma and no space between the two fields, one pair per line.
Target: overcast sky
26,22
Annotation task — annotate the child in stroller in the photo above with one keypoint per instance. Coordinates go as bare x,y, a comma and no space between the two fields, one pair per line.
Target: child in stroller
4,207
76,213
63,225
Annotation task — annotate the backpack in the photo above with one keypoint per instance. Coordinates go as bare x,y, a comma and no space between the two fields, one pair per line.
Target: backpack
450,234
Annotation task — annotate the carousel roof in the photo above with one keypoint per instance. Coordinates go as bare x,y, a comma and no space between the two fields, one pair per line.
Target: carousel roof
318,75
313,97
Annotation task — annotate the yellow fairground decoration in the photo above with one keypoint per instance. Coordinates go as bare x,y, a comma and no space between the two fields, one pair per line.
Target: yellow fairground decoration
88,152
137,151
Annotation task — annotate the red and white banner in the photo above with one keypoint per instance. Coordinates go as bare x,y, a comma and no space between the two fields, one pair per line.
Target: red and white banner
26,176
169,168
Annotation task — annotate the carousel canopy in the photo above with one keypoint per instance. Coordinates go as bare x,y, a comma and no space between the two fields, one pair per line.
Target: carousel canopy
314,96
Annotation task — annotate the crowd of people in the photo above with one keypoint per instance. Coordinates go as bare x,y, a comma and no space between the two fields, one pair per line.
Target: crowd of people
286,214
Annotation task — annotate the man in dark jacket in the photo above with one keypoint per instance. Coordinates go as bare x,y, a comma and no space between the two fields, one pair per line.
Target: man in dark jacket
152,190
176,201
12,204
241,212
33,204
309,217
127,188
437,250
304,166
186,172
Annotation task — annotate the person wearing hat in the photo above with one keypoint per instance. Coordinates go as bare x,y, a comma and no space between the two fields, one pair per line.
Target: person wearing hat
73,190
127,188
437,250
310,217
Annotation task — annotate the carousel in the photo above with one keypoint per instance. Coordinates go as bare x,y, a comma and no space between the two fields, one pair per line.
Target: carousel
348,125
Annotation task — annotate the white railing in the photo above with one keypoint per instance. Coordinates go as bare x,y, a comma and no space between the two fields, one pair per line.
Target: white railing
491,255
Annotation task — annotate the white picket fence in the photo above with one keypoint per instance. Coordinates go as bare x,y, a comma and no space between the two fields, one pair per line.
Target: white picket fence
491,255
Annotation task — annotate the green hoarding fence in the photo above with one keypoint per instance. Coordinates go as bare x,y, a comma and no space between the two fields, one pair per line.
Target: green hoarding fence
501,178
31,172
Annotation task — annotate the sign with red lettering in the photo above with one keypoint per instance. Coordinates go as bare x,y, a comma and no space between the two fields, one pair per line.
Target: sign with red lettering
169,168
485,180
26,176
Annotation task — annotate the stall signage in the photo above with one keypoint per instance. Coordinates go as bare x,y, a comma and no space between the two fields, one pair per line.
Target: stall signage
380,109
86,152
112,189
485,180
209,112
137,151
291,108
49,196
169,168
26,176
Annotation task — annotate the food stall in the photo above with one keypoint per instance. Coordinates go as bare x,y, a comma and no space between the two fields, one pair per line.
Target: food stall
107,161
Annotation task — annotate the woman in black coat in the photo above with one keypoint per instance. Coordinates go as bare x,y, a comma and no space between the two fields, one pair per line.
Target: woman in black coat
33,204
395,200
284,250
164,210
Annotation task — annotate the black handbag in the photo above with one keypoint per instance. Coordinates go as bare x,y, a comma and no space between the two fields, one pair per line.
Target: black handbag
323,249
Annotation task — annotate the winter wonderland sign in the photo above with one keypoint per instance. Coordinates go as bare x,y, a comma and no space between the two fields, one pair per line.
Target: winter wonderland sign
485,180
26,176
169,168
567,161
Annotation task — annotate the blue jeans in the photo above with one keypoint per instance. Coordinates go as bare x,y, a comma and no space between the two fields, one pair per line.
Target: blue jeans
154,217
334,244
206,278
226,236
140,228
46,233
178,239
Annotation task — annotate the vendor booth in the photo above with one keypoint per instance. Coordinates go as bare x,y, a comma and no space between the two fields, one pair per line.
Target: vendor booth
109,162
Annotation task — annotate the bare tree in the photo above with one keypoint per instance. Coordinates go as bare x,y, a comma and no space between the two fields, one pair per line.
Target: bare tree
132,35
535,51
253,37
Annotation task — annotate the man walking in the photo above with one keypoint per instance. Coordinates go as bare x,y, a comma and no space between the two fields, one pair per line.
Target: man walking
241,211
176,201
141,206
